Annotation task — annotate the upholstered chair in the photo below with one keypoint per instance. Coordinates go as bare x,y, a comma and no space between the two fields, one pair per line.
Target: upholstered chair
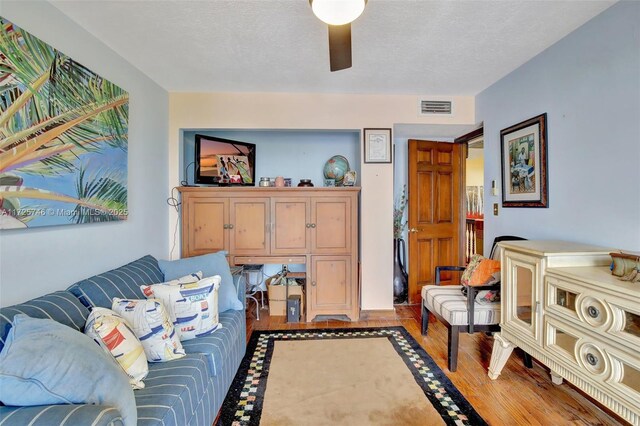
457,307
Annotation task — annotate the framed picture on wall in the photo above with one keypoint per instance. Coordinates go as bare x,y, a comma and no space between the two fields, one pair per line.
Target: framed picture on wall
377,145
524,163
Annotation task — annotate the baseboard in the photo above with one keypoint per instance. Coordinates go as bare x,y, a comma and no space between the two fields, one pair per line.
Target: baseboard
378,314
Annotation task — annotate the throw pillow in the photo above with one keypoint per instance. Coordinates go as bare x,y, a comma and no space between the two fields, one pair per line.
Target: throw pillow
471,267
210,265
484,272
112,333
44,362
193,307
151,324
484,297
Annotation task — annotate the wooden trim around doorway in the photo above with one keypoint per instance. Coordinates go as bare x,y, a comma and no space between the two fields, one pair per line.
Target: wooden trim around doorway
470,136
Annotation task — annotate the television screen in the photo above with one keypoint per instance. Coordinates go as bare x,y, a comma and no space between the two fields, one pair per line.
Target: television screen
224,162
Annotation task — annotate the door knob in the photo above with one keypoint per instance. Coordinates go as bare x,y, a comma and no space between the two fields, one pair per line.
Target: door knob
231,226
413,230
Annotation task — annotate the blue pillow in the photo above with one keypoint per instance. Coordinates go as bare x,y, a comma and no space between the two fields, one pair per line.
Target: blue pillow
210,265
44,362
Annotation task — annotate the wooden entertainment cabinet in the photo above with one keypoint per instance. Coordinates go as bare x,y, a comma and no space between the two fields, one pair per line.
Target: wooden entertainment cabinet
317,227
561,305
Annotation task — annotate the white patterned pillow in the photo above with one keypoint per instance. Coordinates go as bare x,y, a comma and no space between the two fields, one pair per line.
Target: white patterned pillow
192,306
113,334
150,322
191,278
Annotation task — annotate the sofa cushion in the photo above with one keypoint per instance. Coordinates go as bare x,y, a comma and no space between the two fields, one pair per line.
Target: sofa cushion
123,282
450,304
210,264
47,363
65,414
173,391
219,346
60,306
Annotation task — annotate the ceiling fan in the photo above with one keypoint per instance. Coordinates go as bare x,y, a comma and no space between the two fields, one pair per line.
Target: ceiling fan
338,14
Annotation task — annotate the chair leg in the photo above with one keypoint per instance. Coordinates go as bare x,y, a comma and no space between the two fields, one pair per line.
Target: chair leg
527,360
425,320
454,336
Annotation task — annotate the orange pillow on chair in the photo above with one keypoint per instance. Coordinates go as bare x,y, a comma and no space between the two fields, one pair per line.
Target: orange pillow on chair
474,262
484,271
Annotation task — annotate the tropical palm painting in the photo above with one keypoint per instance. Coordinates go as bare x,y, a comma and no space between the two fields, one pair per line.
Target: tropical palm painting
63,137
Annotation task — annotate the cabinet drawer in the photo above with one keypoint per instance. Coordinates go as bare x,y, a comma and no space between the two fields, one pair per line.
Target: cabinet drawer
578,303
258,260
614,371
616,319
575,349
625,327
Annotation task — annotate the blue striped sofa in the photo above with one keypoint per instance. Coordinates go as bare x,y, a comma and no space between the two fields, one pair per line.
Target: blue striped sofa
186,391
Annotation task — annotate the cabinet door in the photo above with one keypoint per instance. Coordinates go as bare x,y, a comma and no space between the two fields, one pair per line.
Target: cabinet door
203,228
249,226
330,286
521,290
290,225
331,225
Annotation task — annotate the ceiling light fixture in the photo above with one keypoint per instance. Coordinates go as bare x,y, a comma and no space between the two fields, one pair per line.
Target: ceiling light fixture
337,12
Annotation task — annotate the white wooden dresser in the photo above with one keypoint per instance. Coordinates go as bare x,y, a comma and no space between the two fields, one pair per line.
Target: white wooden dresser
561,305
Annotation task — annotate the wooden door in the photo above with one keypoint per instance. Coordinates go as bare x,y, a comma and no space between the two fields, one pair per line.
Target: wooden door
436,211
331,225
330,286
291,225
204,225
249,226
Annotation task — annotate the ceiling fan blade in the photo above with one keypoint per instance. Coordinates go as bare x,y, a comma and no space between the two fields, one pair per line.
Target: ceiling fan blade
339,47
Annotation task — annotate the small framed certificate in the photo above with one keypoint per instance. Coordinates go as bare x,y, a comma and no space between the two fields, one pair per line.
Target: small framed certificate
377,145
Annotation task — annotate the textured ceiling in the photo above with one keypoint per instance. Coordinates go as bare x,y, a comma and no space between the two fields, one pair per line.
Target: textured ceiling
441,47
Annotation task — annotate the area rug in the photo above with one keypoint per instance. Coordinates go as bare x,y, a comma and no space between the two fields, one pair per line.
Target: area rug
355,376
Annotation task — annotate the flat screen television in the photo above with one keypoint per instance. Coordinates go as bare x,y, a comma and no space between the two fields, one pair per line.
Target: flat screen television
224,162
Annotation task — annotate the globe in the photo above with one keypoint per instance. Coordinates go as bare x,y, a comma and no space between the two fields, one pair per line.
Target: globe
335,168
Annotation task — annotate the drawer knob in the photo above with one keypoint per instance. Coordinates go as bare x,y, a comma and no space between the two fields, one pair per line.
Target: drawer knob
593,312
592,359
308,225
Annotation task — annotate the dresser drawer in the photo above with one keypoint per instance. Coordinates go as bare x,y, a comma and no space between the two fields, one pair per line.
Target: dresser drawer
576,349
588,359
625,327
578,303
614,318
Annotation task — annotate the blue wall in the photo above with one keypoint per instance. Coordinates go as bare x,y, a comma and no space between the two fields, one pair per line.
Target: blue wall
588,83
287,153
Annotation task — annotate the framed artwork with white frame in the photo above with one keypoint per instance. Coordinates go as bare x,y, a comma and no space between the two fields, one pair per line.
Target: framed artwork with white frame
377,145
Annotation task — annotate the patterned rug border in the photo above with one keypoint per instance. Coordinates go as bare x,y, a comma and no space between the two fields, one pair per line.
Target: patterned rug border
243,403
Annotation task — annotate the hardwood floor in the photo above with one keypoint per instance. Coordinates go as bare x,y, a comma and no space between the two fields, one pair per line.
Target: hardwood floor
520,396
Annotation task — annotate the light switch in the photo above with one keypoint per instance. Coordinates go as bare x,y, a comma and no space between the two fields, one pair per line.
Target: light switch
495,209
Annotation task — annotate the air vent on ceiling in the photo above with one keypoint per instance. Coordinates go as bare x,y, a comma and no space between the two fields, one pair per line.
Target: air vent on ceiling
435,107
